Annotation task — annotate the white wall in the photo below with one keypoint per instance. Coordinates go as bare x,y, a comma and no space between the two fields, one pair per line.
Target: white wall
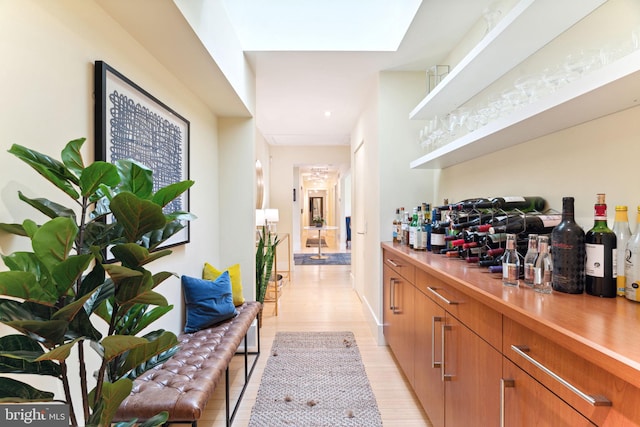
48,50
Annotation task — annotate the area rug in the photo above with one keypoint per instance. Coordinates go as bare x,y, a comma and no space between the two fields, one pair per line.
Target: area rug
315,379
331,259
313,242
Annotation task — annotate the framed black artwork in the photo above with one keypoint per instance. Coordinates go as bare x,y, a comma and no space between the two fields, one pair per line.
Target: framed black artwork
132,124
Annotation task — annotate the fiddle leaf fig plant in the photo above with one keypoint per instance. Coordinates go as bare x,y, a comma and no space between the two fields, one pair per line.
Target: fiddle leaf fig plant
63,295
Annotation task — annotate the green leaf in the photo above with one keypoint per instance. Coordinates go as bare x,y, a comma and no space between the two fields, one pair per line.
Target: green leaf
112,396
29,262
18,354
180,216
166,194
130,288
16,229
54,240
115,345
30,227
71,156
59,353
135,178
161,277
141,354
69,311
69,270
22,284
53,170
119,273
155,238
148,297
133,255
49,332
136,216
16,391
47,207
96,174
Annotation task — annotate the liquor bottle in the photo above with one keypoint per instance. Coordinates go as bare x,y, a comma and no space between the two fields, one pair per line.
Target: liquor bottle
600,247
405,229
543,267
530,258
623,233
511,263
526,223
412,228
426,227
396,227
437,232
567,252
420,243
632,264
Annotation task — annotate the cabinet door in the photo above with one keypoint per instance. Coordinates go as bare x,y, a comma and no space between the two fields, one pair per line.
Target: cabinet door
429,386
526,402
472,371
399,324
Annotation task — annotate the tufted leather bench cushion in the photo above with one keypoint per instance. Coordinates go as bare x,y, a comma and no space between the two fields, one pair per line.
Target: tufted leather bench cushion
183,384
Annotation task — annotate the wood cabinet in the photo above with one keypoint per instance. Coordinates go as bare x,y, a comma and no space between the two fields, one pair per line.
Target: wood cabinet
399,317
485,354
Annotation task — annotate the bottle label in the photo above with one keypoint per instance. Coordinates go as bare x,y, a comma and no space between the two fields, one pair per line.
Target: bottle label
550,220
510,273
510,199
594,265
437,239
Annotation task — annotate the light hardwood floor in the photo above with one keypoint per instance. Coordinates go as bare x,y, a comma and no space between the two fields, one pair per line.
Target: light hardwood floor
320,298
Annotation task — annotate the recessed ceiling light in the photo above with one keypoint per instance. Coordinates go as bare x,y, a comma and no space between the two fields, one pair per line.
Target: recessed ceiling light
327,113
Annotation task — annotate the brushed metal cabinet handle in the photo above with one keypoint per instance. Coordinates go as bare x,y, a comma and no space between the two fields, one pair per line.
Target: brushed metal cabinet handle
504,383
434,363
593,400
445,376
392,262
436,293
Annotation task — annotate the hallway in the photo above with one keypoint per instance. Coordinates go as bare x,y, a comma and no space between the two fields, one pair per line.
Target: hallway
320,298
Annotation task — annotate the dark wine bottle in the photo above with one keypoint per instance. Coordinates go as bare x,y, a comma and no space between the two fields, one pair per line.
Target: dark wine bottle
600,247
526,223
567,243
522,203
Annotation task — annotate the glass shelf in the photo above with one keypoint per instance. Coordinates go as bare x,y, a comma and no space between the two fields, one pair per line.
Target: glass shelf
530,23
603,91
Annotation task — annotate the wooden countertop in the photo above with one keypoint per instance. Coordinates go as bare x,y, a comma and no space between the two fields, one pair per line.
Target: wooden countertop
605,331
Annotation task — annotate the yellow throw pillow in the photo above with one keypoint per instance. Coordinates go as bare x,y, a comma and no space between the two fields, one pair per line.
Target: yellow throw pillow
209,272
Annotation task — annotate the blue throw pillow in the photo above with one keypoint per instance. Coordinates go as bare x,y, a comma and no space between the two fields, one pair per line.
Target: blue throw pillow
207,302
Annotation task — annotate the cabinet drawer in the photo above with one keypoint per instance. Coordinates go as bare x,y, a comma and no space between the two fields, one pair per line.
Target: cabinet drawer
400,266
595,393
484,321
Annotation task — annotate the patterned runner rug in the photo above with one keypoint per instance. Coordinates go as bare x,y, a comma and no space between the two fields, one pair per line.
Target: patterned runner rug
337,258
315,379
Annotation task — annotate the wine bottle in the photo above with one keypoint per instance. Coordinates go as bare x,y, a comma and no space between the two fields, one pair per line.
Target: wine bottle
526,223
632,264
511,263
623,233
530,258
567,249
426,226
437,236
420,243
543,267
405,229
507,203
600,247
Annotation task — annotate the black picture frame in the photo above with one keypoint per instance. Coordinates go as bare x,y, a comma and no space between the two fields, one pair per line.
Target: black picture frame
130,123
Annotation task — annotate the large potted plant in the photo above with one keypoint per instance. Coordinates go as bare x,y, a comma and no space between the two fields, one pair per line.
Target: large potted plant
63,295
265,253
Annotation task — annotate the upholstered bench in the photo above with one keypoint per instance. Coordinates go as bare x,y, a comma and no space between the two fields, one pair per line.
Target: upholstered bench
184,383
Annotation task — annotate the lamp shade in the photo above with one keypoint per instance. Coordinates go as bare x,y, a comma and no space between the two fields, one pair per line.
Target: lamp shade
272,215
260,219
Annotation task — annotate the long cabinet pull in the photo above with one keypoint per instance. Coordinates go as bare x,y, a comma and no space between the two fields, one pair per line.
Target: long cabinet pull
392,294
504,383
594,400
445,376
436,293
434,319
392,262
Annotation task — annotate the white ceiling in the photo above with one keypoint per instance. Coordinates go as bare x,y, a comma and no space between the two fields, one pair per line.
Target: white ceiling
295,88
